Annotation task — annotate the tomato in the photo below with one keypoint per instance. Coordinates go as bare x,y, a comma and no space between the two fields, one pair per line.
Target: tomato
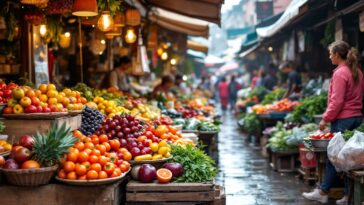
109,168
81,169
114,144
92,174
103,138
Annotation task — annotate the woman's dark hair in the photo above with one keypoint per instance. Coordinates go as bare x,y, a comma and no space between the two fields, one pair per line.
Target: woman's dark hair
232,78
167,79
223,79
349,54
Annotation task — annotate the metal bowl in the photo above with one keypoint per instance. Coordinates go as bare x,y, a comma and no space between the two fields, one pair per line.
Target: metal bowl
320,143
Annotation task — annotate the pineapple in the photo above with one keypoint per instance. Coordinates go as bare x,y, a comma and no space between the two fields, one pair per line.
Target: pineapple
49,148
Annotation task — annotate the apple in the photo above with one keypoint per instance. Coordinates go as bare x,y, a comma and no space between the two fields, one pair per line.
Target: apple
25,101
23,154
35,101
31,109
53,108
11,86
8,110
18,109
12,102
43,104
39,108
26,141
47,109
18,93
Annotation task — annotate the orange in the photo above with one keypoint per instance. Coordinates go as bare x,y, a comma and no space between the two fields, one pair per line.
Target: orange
80,146
102,175
107,145
95,140
87,150
83,177
89,145
72,175
51,87
103,160
112,155
83,156
103,138
65,101
43,98
123,168
52,101
72,156
87,164
115,144
52,93
30,164
127,164
61,174
30,93
164,175
127,156
78,94
67,91
80,169
77,133
117,171
96,166
83,100
92,174
72,149
165,136
101,148
122,150
43,88
172,129
69,166
109,168
96,152
93,159
87,139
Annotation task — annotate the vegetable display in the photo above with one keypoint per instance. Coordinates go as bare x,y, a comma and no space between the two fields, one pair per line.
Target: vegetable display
348,134
278,141
308,108
198,167
251,123
273,96
208,127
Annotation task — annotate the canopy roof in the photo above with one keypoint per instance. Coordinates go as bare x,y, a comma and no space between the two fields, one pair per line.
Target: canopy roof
208,10
197,46
179,23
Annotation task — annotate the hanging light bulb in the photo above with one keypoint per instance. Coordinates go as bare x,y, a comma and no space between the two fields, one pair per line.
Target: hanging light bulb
130,36
67,34
160,51
103,42
164,56
173,61
42,30
105,22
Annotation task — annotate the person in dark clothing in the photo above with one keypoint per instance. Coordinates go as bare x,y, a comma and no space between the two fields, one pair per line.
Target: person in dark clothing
294,79
233,89
270,80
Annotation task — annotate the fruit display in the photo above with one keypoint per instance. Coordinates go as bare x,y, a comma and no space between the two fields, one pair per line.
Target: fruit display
109,107
163,132
6,91
163,120
5,146
273,96
42,150
44,99
147,173
280,106
91,158
91,120
142,111
188,113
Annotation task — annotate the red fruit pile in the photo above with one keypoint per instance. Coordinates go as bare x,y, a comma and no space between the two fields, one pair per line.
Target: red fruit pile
163,120
5,91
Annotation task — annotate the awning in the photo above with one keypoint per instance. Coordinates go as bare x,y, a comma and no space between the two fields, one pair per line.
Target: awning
233,33
248,51
292,11
208,10
179,23
196,54
228,67
197,46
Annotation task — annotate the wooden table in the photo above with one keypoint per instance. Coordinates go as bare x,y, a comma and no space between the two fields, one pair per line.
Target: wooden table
356,184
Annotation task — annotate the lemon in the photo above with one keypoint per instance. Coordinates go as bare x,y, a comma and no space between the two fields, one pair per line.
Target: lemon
167,155
163,150
163,144
154,146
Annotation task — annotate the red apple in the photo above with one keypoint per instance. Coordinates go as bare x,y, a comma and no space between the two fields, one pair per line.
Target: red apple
35,101
26,141
53,108
31,109
22,155
47,109
8,110
7,93
39,108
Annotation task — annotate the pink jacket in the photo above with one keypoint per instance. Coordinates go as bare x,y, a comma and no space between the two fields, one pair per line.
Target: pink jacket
345,97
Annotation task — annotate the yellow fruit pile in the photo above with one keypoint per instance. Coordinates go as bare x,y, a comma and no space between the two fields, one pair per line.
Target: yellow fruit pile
109,107
5,146
145,112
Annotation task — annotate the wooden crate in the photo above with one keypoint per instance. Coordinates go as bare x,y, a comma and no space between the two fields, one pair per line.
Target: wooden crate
284,161
172,193
59,194
211,145
15,128
263,146
220,198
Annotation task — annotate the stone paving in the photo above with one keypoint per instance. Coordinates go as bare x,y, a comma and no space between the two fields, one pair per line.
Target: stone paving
247,177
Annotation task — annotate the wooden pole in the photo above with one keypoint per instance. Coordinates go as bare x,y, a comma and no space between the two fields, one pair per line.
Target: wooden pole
80,45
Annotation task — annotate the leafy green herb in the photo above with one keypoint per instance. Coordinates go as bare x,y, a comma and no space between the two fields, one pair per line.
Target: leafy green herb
259,92
308,108
198,167
208,127
251,123
275,95
348,134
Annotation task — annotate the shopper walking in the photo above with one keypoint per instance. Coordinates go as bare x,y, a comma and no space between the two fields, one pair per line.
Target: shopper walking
223,88
344,109
233,90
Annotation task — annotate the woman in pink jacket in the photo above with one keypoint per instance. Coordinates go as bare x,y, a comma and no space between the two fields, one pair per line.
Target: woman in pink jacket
344,108
224,93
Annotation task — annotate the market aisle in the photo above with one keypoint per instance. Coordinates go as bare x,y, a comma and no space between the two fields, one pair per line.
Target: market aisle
247,177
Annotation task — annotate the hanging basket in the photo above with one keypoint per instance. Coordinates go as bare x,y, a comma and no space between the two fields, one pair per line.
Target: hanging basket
132,17
59,6
34,2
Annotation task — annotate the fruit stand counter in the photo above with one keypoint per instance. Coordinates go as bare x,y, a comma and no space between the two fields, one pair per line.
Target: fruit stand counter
357,186
176,193
59,194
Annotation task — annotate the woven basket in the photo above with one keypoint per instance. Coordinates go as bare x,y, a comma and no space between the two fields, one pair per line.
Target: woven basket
29,177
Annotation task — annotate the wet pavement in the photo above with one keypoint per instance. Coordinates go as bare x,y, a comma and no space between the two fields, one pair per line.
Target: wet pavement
247,176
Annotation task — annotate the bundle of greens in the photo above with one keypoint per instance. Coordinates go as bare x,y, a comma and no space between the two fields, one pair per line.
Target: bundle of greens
309,107
273,96
259,92
208,127
348,134
278,141
198,167
251,123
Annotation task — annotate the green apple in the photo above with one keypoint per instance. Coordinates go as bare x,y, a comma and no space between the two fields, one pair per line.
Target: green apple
12,102
18,93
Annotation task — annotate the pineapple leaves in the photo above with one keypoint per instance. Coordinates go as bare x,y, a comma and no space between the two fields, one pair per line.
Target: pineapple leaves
49,148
